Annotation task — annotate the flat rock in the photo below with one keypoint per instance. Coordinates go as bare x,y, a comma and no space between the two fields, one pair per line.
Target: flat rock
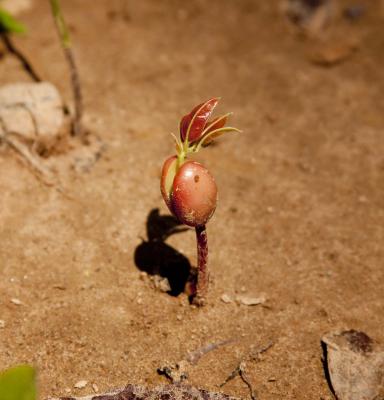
355,365
16,7
32,111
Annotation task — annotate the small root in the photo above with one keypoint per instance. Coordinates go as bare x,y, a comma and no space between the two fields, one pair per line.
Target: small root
244,378
43,174
241,371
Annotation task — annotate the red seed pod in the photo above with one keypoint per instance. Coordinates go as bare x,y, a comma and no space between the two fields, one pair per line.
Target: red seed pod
189,191
194,194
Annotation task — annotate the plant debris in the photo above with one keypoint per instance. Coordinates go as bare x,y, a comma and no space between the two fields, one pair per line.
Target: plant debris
195,356
354,365
168,392
240,370
178,372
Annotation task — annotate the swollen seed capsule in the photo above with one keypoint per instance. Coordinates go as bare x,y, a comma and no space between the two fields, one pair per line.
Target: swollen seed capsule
194,194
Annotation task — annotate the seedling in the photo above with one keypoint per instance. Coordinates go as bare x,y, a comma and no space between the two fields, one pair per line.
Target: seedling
18,383
66,44
188,188
8,27
8,24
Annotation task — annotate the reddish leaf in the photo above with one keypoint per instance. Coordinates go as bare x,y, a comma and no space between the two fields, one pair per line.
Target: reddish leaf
196,120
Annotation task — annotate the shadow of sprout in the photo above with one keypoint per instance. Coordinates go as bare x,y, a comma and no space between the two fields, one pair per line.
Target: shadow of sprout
155,257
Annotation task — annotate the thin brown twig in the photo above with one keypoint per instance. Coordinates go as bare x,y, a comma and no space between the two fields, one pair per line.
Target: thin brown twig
240,368
195,356
43,174
177,372
8,43
252,391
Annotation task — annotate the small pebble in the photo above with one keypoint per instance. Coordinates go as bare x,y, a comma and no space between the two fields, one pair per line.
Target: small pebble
354,12
95,387
17,302
81,384
143,275
2,324
161,283
250,301
363,199
225,298
59,287
179,317
139,301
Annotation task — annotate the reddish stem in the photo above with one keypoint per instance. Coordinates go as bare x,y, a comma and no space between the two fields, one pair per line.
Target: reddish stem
202,265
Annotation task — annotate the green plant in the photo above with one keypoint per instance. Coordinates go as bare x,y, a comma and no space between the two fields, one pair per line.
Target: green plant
66,44
18,383
8,24
188,188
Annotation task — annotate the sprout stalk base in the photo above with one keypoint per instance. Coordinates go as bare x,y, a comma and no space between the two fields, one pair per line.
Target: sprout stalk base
202,265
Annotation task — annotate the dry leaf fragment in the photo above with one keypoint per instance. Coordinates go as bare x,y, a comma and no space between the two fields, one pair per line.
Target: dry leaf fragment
355,365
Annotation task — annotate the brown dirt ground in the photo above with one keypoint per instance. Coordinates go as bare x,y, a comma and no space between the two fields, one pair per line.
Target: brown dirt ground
300,217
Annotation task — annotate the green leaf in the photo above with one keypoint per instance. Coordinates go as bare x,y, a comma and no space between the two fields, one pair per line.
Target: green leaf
18,383
9,24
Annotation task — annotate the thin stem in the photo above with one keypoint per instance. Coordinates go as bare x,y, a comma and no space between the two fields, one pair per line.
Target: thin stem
202,265
21,57
63,32
77,94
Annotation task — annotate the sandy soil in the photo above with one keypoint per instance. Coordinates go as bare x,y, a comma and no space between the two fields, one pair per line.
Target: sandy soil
300,217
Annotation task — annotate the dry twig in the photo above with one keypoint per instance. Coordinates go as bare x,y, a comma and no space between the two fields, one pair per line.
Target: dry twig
240,369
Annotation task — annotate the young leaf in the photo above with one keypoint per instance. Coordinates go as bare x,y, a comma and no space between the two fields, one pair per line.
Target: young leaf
9,24
209,137
193,124
18,383
216,123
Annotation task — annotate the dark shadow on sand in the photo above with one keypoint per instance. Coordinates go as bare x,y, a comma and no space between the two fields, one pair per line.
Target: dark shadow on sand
155,257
